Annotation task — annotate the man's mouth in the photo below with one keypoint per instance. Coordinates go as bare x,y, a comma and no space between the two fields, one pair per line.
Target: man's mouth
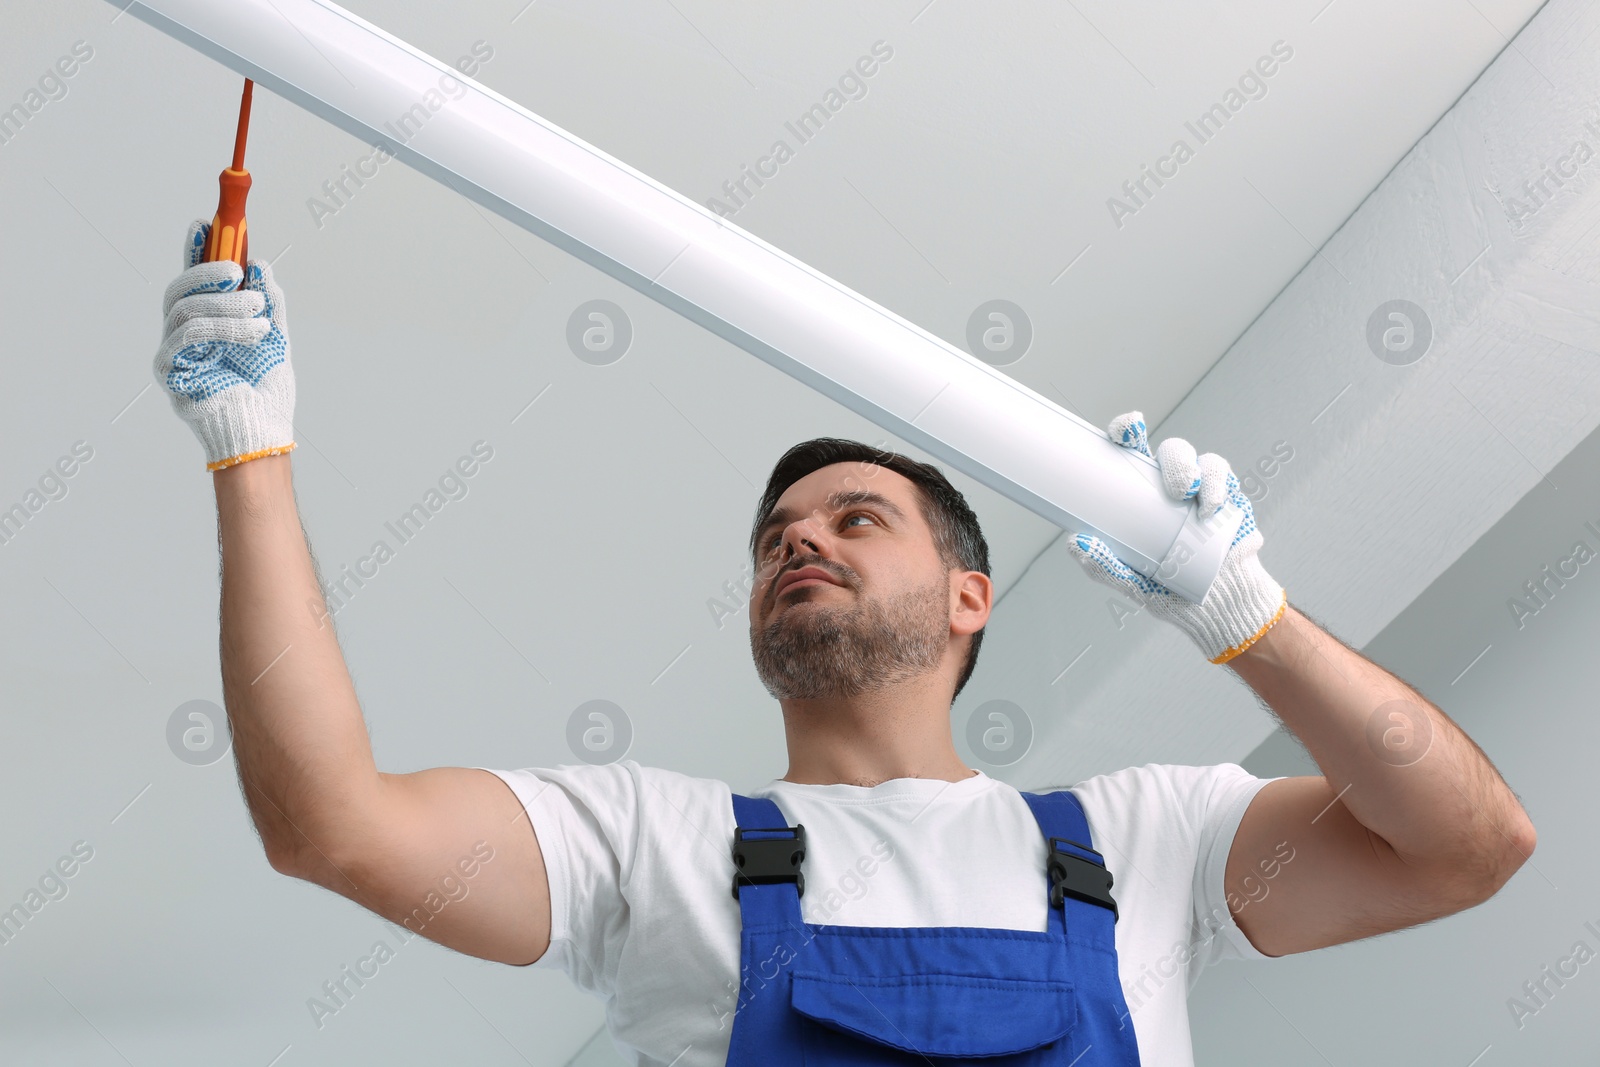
809,575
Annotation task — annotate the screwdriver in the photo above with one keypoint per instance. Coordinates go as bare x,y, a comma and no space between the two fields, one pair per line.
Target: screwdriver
229,239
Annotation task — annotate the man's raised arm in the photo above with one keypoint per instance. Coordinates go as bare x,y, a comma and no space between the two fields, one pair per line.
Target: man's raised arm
1409,820
446,852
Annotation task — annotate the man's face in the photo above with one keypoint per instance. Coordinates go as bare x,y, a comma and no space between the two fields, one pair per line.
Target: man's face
881,612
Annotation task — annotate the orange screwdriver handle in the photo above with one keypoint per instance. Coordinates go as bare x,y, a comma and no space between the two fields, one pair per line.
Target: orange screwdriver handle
229,232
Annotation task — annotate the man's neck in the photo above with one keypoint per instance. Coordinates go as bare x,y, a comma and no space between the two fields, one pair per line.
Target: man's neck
871,739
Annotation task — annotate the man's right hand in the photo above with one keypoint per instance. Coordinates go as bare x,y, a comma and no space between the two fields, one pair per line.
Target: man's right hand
224,356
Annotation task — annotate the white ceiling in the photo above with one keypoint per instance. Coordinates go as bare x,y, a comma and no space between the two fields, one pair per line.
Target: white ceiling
977,166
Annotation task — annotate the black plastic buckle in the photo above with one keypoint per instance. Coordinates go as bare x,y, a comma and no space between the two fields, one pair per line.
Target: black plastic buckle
1073,876
764,861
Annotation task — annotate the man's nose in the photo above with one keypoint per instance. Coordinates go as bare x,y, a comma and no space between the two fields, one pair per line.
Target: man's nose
803,537
814,532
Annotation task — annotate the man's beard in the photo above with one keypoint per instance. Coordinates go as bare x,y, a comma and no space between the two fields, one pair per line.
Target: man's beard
816,650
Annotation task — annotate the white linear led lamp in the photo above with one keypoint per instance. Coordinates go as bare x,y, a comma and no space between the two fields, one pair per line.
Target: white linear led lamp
540,177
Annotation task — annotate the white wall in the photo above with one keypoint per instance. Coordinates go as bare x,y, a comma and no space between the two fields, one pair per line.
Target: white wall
1397,469
1439,993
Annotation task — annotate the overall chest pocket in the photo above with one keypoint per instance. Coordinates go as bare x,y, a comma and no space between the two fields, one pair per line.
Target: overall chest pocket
887,996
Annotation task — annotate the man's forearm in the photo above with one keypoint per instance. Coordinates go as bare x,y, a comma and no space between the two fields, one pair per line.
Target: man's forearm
1396,761
298,736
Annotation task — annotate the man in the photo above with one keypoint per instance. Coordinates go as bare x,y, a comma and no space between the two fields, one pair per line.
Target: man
882,902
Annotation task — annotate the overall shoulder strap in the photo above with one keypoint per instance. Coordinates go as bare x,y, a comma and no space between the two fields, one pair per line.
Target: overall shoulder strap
1077,872
1060,814
767,855
756,811
1083,911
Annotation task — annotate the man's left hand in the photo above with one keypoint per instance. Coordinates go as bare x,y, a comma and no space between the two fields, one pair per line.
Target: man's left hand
1244,601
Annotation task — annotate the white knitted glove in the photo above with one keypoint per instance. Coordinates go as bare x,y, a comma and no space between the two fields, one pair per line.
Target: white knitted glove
225,356
1244,602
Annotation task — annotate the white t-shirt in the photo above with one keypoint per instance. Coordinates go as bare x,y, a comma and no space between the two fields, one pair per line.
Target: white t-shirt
642,913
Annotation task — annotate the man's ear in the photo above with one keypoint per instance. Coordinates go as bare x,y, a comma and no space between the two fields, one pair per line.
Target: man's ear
973,600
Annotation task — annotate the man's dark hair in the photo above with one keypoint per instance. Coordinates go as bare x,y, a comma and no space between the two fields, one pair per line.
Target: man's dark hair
956,534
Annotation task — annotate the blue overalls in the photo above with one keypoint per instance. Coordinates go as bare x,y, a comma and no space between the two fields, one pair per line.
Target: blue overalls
812,994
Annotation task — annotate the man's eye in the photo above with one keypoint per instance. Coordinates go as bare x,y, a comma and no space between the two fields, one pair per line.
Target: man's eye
772,542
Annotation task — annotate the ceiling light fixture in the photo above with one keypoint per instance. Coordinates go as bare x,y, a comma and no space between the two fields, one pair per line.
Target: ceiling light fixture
892,372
